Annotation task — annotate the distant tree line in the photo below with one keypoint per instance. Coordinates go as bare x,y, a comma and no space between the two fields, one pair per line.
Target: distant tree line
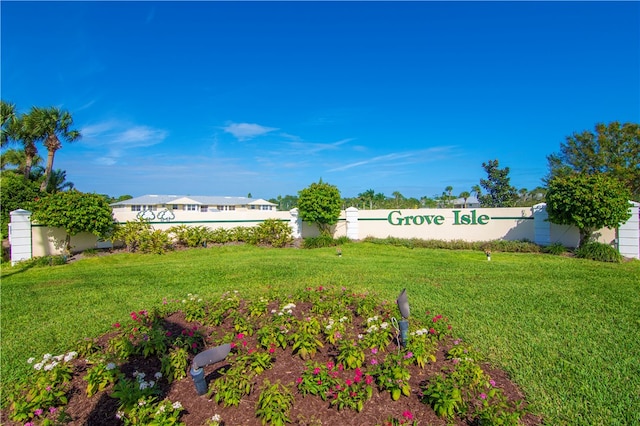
587,162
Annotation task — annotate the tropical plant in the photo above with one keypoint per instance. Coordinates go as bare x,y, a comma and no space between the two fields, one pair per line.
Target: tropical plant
49,125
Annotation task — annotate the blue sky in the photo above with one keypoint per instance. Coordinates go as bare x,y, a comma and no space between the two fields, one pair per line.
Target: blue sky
231,98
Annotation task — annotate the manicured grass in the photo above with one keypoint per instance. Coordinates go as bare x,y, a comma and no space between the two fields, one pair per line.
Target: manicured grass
567,330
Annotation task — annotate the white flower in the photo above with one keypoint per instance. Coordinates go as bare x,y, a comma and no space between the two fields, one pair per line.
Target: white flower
143,385
158,375
46,357
38,366
111,366
176,405
360,336
161,409
119,415
30,360
216,418
139,376
384,325
142,402
151,383
343,319
58,357
280,314
273,311
50,367
71,355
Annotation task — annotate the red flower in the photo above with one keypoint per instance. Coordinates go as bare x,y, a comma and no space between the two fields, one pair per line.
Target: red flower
168,334
432,331
116,325
272,350
240,336
348,382
134,316
407,415
299,380
194,345
368,380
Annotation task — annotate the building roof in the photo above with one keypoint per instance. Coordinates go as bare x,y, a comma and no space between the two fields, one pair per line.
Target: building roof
206,200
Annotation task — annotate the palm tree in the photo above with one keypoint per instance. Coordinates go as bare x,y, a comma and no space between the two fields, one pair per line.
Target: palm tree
14,130
50,125
58,182
397,196
7,117
18,158
465,196
476,190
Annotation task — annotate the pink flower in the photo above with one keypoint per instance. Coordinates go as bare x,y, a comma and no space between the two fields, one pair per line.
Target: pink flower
348,382
194,345
168,334
483,396
134,316
492,382
368,380
48,388
52,410
358,372
330,365
357,379
299,380
38,412
374,350
233,345
316,371
408,355
432,331
116,325
407,415
240,336
374,361
244,343
272,350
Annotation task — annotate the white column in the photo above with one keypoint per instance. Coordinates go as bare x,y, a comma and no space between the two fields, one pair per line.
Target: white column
295,223
352,214
541,225
20,235
629,233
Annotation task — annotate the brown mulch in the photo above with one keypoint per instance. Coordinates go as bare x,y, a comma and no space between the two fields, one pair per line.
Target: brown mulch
287,367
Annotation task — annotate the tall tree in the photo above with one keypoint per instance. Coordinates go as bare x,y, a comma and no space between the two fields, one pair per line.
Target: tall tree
58,182
589,202
465,196
14,131
367,197
320,203
50,125
613,149
398,197
477,191
499,192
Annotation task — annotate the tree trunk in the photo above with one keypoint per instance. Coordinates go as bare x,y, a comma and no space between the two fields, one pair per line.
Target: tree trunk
586,235
47,171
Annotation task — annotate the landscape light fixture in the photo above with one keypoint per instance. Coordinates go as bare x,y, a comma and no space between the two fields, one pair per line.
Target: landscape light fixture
204,358
403,306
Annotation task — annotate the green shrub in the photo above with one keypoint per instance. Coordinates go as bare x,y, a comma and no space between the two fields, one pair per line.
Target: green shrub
154,241
599,251
190,236
555,248
220,236
272,232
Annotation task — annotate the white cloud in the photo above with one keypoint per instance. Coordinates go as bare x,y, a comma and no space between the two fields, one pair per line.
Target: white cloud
112,139
246,131
409,157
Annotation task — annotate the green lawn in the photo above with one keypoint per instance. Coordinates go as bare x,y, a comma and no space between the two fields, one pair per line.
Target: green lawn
567,330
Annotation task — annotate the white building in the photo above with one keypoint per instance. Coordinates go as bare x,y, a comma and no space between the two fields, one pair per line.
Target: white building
168,208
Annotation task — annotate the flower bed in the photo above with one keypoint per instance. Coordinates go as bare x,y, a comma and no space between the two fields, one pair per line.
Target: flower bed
321,356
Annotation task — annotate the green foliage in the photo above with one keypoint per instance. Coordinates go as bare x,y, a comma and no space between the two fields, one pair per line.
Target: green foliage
150,412
350,354
42,261
15,193
129,392
599,251
505,246
320,203
190,236
555,249
444,397
392,375
499,192
318,242
589,202
274,403
74,212
272,232
140,236
235,383
612,149
174,365
100,376
45,387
